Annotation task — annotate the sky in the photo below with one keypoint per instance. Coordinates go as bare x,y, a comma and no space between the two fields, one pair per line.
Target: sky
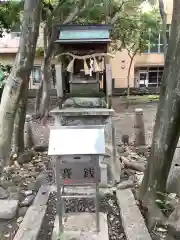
146,6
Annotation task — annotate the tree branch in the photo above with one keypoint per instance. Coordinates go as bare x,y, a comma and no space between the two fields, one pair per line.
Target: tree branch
53,13
116,15
164,25
161,8
45,36
130,51
76,12
72,16
68,20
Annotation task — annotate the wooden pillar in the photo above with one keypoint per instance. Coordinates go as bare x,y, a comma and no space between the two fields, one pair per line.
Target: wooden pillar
109,84
59,82
139,127
108,71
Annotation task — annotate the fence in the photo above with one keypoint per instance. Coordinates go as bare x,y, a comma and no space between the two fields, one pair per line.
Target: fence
117,91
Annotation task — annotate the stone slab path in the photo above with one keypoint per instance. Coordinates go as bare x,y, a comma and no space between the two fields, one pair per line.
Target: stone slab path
132,220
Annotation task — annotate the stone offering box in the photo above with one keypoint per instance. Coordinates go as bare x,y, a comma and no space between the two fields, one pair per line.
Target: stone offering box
82,117
76,150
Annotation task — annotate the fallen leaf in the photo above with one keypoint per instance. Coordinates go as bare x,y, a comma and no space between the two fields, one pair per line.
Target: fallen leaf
20,219
160,229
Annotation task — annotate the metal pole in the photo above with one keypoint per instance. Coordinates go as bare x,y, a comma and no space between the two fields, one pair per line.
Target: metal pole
97,209
59,197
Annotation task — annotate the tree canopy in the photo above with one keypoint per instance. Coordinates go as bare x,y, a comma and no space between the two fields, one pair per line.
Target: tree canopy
134,31
130,24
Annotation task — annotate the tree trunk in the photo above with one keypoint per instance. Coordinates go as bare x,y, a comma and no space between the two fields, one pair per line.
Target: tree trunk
164,25
18,135
46,78
128,77
167,127
19,77
43,98
38,99
48,51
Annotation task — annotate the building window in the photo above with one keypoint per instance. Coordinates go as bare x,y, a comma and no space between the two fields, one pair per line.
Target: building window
16,30
155,43
143,78
151,77
36,75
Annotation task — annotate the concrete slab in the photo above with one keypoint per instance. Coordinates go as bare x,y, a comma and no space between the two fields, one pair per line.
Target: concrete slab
132,220
8,209
76,190
32,222
82,112
82,226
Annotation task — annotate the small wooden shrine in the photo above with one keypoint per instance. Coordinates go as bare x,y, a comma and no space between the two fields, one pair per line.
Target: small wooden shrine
82,68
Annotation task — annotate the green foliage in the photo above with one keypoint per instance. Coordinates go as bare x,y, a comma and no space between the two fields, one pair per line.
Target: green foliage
130,25
92,15
48,7
61,13
164,203
9,15
134,31
39,52
105,11
4,72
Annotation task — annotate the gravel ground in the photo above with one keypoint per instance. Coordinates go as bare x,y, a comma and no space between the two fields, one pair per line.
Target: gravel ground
124,125
108,205
124,120
48,223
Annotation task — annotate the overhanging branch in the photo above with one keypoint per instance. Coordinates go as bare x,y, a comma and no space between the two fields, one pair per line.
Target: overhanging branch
53,13
72,16
116,15
164,24
161,8
76,12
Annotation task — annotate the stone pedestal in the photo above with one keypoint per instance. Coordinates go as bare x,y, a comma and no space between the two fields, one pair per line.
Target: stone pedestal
73,116
81,226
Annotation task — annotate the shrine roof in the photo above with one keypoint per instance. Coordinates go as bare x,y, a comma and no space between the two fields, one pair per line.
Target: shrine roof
83,33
